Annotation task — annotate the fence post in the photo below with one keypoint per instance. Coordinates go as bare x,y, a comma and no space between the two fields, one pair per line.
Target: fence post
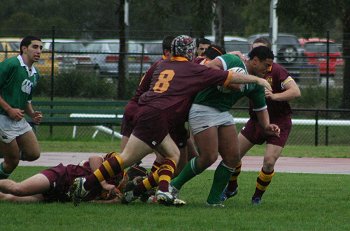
52,73
316,127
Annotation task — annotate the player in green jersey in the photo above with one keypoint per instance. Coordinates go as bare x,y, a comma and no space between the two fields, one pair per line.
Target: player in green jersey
214,128
18,77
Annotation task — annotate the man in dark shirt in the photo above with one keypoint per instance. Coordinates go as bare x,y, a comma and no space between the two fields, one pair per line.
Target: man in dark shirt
164,107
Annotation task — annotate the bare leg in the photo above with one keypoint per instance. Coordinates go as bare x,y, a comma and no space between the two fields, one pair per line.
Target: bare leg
272,153
10,152
13,198
123,142
36,184
29,146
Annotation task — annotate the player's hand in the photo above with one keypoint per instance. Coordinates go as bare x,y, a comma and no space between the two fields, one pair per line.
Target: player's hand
15,114
37,116
269,94
264,83
106,186
272,130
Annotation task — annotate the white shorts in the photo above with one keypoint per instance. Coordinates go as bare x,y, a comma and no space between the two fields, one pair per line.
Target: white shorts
202,117
10,129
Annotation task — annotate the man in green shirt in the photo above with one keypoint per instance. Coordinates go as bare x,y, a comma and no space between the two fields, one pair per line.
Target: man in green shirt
18,77
213,126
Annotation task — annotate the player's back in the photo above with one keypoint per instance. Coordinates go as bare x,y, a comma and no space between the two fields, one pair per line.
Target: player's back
176,80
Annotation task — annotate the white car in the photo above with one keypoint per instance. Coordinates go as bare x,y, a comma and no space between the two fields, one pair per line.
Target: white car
105,55
234,43
69,53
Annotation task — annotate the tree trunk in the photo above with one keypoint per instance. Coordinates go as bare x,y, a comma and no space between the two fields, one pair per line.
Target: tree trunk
122,50
218,22
346,55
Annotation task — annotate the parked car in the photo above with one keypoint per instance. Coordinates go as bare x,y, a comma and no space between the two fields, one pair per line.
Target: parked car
105,55
10,47
234,43
290,54
154,48
70,54
315,51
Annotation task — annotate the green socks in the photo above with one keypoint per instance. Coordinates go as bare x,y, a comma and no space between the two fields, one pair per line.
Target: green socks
3,175
188,172
221,177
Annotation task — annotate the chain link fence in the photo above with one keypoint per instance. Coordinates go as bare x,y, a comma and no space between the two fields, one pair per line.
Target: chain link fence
87,69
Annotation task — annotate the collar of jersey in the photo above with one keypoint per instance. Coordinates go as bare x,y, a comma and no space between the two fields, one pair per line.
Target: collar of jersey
20,59
178,58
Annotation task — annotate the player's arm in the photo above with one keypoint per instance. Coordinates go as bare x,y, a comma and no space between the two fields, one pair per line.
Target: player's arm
14,113
217,64
235,77
264,121
35,115
291,91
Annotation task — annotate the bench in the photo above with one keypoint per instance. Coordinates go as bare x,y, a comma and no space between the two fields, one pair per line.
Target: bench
103,115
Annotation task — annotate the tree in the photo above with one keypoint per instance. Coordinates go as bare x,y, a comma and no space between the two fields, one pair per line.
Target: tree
320,16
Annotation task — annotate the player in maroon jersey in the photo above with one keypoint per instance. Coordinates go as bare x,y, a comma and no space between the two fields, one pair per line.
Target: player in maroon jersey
179,134
52,185
130,109
284,89
164,107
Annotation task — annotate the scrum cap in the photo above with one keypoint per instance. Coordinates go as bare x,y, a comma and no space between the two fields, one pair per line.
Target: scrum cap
183,46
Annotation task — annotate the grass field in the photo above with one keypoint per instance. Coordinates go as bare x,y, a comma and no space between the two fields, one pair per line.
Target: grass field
292,202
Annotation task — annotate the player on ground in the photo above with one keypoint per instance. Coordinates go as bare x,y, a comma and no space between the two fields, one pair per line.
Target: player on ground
52,185
164,106
284,89
213,125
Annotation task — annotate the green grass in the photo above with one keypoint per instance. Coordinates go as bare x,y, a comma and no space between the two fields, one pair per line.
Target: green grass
90,145
292,202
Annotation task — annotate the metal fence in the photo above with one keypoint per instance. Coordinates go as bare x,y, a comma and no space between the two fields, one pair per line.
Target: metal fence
89,69
311,126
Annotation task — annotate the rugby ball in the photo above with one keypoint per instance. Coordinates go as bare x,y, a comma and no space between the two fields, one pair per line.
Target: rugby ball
238,70
234,69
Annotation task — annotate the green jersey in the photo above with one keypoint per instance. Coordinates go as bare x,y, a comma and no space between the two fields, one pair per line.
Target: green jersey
223,99
16,82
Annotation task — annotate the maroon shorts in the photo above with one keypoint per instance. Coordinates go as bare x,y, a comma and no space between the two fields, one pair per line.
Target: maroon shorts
255,134
180,135
61,178
128,122
151,125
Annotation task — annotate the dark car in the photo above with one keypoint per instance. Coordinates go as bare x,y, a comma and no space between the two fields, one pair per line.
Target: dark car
290,54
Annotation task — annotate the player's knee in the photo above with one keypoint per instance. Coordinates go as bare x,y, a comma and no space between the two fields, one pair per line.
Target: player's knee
207,161
269,163
11,163
30,156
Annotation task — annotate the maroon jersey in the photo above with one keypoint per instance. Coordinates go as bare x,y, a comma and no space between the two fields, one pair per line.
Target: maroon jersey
277,77
177,80
61,178
146,81
164,108
199,60
128,122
